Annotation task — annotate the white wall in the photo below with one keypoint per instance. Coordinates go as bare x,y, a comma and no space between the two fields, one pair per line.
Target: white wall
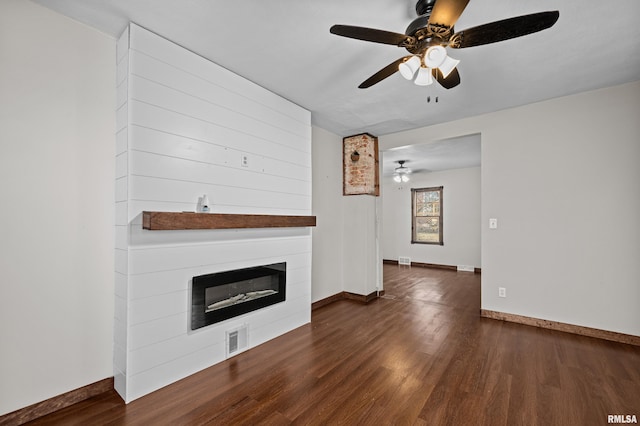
461,218
184,124
562,178
328,255
56,186
362,266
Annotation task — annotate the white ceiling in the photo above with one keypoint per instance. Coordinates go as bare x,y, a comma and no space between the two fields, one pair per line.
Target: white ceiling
454,153
285,46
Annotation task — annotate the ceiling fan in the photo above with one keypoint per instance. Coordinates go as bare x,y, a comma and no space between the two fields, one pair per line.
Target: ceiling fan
402,172
432,31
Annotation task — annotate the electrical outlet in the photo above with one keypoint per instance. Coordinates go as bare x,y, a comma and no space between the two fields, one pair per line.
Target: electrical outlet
244,160
502,292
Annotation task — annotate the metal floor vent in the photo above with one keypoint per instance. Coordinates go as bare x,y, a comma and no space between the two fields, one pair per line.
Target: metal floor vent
237,340
404,260
466,268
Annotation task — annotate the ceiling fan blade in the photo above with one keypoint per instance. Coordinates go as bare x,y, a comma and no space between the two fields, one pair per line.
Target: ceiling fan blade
446,12
452,80
504,30
385,72
369,34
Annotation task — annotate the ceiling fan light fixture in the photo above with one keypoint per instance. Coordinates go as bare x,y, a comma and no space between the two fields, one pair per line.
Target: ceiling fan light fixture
424,77
400,178
408,68
448,65
435,56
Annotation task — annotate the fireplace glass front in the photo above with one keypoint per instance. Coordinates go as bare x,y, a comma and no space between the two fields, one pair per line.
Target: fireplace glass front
223,295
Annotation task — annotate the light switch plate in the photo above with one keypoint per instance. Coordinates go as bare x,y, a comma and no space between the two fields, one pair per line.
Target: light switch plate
493,223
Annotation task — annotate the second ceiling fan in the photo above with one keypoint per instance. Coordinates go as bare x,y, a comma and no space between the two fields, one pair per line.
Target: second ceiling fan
432,31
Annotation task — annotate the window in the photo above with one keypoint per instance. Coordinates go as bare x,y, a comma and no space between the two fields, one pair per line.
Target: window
426,215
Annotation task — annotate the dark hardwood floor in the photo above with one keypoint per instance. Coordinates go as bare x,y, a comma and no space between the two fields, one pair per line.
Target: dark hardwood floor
421,355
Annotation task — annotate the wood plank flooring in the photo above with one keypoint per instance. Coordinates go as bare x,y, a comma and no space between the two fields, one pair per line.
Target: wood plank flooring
421,355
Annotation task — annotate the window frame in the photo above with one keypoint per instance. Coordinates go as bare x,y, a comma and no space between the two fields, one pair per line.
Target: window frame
414,191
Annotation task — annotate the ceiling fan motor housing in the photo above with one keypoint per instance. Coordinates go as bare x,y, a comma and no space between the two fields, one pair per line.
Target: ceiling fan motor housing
424,7
425,34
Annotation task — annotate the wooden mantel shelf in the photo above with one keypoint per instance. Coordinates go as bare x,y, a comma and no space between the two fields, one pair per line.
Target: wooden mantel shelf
161,221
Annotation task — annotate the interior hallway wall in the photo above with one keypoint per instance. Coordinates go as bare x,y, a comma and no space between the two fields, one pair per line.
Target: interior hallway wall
562,179
57,124
461,218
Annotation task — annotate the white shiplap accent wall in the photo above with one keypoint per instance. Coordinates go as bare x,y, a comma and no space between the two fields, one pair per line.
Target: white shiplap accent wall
184,124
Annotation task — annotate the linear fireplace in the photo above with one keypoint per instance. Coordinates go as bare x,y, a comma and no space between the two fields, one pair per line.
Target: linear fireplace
223,295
